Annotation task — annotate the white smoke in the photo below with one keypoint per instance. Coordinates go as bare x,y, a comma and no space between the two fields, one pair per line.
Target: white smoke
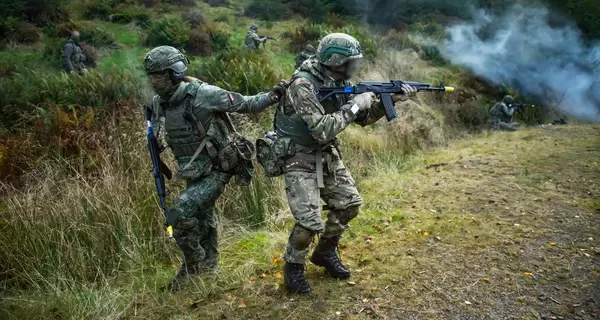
523,50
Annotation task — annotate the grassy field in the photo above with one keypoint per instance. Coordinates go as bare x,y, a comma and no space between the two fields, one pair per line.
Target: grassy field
502,226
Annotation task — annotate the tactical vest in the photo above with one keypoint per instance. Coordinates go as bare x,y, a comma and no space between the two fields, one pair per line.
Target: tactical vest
288,124
496,112
249,41
77,58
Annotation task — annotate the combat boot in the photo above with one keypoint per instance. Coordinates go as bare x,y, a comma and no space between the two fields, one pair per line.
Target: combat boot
184,273
293,274
325,256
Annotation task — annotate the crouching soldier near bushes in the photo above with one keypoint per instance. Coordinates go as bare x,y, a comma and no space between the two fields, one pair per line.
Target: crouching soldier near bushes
206,146
501,115
304,148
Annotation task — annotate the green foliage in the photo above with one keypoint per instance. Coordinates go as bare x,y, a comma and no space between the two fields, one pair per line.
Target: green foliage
90,33
185,3
100,9
18,31
217,3
194,18
270,10
171,31
586,14
304,35
37,11
241,71
317,11
132,13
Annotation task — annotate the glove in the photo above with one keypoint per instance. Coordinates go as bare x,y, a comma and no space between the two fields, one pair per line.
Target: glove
363,101
278,91
407,92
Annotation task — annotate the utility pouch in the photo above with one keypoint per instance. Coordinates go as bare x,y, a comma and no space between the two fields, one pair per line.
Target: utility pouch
272,154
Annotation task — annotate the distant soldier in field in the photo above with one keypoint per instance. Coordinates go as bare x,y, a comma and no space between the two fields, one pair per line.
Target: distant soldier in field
253,40
501,115
311,161
73,58
206,146
308,52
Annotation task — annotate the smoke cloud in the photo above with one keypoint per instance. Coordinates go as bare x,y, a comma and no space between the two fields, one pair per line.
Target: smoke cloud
522,49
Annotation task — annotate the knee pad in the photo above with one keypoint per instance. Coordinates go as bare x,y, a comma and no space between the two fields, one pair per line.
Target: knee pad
301,238
348,214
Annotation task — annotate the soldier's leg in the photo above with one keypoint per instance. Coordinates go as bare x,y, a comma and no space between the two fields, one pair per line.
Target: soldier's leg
194,226
506,126
343,200
303,197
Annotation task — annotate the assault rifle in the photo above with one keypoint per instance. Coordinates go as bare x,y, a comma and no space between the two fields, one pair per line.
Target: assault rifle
267,38
520,107
159,169
383,90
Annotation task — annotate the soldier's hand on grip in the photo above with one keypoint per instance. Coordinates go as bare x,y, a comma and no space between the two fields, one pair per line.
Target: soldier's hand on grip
364,100
408,91
278,91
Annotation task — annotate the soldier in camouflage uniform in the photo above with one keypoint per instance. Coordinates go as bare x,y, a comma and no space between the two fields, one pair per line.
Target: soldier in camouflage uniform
313,167
501,115
304,55
253,40
193,115
73,58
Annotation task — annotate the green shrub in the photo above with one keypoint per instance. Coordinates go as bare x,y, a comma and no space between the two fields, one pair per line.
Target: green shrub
18,31
270,10
217,3
304,35
99,9
194,18
172,31
37,12
199,43
185,3
316,11
131,13
90,33
241,71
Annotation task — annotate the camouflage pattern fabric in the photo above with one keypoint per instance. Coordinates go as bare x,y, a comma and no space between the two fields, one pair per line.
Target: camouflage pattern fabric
304,198
322,122
500,117
194,222
73,58
304,55
252,40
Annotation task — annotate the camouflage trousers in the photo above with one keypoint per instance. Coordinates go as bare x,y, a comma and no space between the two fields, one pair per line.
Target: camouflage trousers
194,222
304,198
498,124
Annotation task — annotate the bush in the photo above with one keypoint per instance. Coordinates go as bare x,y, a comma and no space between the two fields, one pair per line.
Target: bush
316,11
217,3
15,30
241,71
199,43
99,9
185,3
90,33
131,13
91,53
269,10
170,31
194,18
304,35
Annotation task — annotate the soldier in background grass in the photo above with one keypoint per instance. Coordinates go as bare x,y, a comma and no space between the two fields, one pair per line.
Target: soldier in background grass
307,131
207,149
253,40
73,58
501,115
308,52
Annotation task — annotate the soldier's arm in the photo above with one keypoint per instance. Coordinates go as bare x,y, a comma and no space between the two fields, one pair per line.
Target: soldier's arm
323,127
507,111
218,99
66,58
256,37
157,116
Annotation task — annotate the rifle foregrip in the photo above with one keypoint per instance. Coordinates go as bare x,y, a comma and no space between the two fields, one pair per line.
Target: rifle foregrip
388,105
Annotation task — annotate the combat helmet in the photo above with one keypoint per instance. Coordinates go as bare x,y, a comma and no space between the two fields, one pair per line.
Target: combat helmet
338,48
310,48
254,27
508,99
165,58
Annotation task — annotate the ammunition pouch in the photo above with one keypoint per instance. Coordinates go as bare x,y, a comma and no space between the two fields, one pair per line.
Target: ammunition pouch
272,154
236,158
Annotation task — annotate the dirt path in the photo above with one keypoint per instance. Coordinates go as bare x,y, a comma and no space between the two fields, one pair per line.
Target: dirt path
505,226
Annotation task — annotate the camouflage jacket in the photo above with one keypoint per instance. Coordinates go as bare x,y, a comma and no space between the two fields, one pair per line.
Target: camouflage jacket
72,57
321,122
207,103
500,111
252,40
